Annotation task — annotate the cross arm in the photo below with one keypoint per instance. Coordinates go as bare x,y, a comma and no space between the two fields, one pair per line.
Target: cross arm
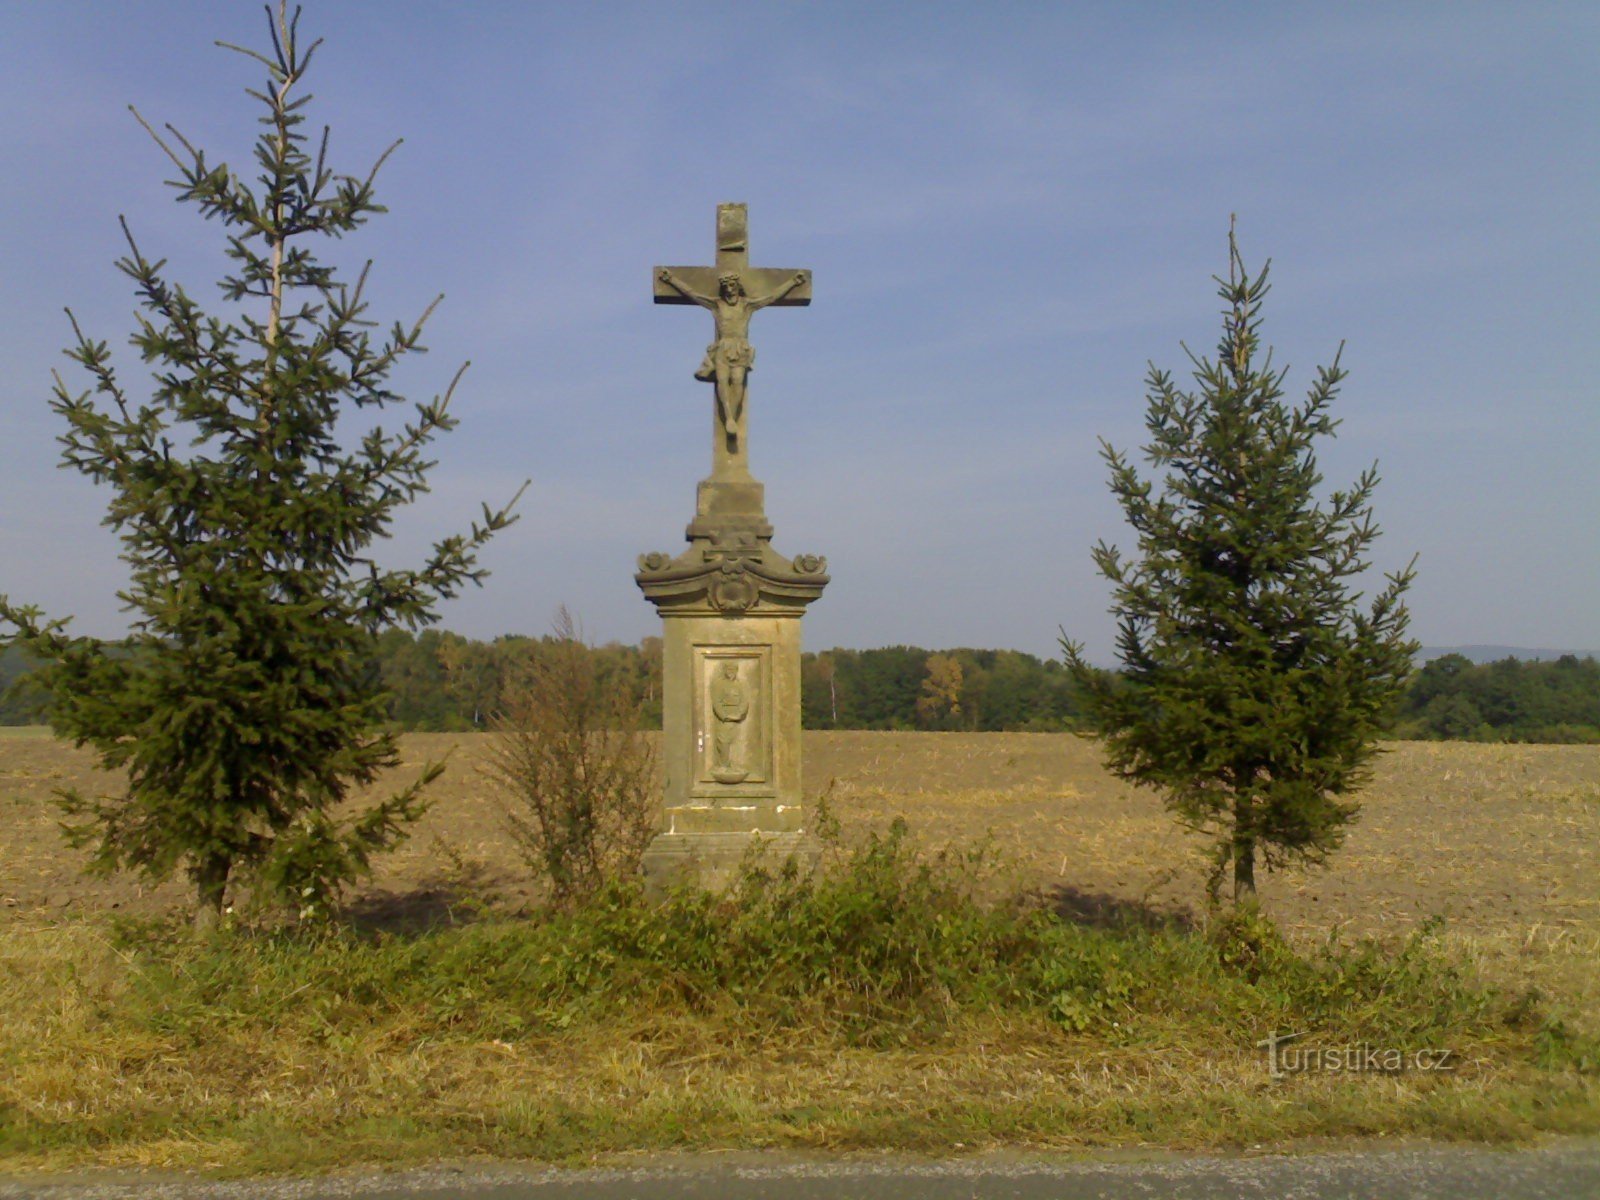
758,281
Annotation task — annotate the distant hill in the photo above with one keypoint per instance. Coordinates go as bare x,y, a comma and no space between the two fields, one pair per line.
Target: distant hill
1486,654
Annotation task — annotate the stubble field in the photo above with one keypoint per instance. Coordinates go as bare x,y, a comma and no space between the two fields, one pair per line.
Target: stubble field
1503,842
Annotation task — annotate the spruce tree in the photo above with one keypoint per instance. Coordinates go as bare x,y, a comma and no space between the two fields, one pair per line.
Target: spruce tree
244,709
1255,682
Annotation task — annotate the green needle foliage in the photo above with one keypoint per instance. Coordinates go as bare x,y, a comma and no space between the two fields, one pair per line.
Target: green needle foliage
1255,684
243,709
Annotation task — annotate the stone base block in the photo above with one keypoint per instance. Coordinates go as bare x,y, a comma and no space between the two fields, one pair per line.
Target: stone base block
734,816
712,860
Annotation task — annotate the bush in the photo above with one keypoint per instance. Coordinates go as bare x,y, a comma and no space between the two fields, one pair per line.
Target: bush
576,771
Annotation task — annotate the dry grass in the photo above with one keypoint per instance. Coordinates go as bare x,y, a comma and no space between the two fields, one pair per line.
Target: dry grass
388,1092
1501,840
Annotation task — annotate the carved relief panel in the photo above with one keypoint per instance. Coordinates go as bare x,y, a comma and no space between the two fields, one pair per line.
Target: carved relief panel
733,719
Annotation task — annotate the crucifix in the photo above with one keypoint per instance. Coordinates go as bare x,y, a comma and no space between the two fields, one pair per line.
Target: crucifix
733,290
730,608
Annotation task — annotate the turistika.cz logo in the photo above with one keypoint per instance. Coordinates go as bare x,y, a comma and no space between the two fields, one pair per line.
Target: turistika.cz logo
1358,1058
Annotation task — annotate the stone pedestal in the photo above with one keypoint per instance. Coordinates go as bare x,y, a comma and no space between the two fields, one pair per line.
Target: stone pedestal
730,607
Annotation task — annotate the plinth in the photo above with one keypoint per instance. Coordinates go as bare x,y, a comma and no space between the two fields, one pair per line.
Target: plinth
730,610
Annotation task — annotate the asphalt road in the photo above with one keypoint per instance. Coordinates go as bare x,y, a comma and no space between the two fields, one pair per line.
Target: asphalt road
1568,1170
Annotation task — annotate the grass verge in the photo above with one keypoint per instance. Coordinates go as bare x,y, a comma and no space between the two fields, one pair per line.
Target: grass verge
876,1003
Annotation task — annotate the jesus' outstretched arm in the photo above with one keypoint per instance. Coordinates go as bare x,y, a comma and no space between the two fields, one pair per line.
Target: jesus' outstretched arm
667,277
795,280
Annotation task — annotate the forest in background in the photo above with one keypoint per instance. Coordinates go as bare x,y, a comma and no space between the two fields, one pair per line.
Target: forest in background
441,681
1508,700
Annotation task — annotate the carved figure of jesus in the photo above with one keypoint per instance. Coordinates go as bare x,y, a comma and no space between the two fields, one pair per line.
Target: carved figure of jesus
730,706
730,358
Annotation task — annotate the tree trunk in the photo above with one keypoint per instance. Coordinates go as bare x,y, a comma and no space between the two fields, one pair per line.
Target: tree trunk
211,885
1244,870
1244,841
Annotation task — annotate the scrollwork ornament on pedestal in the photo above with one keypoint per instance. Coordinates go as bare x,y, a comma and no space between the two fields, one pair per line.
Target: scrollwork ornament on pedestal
809,564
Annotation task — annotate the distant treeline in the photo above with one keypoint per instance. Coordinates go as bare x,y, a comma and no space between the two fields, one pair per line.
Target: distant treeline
18,704
441,681
444,682
1505,701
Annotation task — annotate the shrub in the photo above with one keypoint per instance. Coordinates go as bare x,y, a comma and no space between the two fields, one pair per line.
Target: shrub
576,773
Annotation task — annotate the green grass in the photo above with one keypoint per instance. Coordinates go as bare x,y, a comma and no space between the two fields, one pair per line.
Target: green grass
876,1003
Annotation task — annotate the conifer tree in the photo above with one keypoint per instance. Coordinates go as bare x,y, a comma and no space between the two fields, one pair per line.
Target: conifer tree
1255,683
244,709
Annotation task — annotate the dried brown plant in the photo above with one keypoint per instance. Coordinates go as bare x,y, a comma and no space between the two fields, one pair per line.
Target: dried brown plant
576,774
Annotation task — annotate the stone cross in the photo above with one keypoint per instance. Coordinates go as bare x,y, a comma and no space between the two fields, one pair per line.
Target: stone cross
733,290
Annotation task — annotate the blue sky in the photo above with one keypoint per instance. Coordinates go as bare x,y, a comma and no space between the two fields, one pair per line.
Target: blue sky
1008,209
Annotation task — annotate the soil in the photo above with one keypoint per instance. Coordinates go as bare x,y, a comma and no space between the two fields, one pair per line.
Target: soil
1503,841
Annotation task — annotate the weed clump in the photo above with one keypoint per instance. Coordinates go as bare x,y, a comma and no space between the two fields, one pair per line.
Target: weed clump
884,944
